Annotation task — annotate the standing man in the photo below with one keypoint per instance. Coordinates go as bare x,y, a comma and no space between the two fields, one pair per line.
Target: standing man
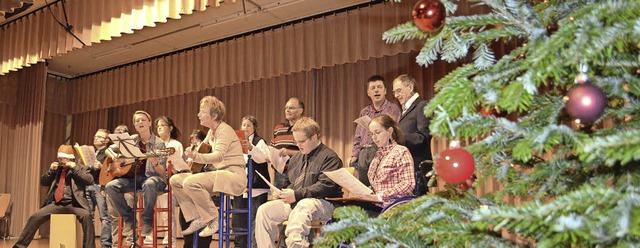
414,125
283,136
363,147
66,181
303,198
150,176
94,193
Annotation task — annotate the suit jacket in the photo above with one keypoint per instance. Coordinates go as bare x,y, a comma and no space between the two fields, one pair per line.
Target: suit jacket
415,127
80,178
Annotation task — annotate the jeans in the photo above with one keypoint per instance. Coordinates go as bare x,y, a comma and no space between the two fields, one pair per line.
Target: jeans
150,187
96,199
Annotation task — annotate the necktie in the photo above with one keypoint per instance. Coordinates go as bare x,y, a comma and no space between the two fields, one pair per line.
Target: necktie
297,184
61,183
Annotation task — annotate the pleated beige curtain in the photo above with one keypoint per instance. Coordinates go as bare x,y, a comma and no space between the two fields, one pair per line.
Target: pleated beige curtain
343,38
333,96
23,125
38,36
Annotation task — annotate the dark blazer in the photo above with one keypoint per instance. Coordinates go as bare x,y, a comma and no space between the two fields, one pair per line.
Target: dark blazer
415,127
80,178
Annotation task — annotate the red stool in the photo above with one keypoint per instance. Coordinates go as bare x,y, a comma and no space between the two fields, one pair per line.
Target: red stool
156,228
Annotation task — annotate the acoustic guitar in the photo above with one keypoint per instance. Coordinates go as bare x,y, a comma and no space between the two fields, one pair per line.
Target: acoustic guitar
112,169
197,167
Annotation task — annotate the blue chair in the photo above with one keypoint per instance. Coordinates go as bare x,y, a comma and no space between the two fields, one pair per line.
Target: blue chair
225,230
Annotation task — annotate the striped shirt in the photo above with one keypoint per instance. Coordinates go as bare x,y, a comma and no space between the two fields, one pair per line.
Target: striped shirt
283,137
391,173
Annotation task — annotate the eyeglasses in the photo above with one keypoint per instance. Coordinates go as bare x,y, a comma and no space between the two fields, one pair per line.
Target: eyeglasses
375,133
101,137
398,91
300,142
290,108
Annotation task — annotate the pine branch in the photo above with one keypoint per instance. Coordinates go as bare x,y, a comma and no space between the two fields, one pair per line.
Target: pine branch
403,32
483,57
475,22
622,147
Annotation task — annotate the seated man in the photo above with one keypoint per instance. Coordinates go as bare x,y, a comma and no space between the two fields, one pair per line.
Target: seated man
67,199
303,198
150,176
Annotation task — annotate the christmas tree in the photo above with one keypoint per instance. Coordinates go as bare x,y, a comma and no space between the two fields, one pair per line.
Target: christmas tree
554,122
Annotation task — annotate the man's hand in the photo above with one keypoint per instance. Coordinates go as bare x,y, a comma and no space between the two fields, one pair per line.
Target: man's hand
284,152
97,165
54,166
154,161
352,160
71,164
287,195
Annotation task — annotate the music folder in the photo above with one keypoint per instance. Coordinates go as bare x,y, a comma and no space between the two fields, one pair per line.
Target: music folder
349,182
126,145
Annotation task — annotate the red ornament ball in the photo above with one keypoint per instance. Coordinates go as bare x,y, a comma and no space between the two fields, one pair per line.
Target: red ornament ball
429,15
455,165
585,102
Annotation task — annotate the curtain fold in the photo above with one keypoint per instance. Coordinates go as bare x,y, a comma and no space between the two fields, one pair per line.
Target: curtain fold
38,36
21,143
339,39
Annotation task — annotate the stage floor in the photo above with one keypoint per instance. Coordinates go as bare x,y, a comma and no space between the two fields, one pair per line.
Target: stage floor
44,243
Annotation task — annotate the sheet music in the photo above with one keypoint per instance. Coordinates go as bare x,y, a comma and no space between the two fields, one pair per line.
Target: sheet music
277,161
123,139
345,179
257,155
363,121
87,154
273,188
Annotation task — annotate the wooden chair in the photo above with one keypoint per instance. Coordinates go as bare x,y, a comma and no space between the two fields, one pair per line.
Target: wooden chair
156,228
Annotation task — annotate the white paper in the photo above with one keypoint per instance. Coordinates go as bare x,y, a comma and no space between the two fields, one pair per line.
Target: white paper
88,155
363,121
273,188
277,161
258,155
123,139
345,179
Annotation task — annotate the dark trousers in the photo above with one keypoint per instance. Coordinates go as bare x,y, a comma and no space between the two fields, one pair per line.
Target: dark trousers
240,220
44,214
367,153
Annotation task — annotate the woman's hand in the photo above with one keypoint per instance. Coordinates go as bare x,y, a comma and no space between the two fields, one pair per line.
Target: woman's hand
246,145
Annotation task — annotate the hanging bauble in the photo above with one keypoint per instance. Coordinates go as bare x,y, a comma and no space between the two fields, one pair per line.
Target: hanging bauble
429,15
585,101
455,165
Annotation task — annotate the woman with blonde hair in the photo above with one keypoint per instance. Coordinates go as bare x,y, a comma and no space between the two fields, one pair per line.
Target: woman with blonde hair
194,191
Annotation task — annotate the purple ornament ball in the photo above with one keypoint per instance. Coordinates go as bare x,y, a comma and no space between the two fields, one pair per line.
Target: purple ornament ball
585,102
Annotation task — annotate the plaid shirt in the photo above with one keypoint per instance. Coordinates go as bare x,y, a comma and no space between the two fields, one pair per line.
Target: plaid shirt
391,173
362,137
